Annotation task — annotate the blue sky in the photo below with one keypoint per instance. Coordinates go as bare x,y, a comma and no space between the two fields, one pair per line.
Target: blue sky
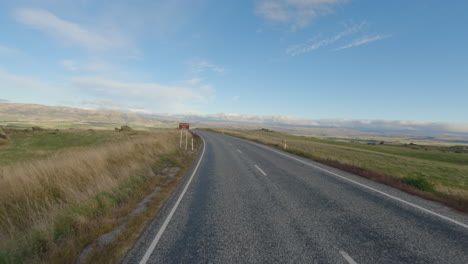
313,59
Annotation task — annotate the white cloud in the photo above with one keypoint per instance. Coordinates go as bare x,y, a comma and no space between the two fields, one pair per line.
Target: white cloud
396,126
28,85
192,82
199,66
362,41
94,66
160,97
8,51
109,105
139,111
135,89
69,65
103,104
235,98
100,66
314,44
235,117
66,31
109,94
298,13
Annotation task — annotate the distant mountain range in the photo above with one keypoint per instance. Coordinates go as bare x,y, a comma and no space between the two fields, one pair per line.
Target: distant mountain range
375,126
16,114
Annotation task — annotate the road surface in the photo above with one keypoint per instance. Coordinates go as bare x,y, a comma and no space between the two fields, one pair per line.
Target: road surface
246,203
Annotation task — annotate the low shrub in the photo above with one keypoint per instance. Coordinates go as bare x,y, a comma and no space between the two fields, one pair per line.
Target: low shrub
420,183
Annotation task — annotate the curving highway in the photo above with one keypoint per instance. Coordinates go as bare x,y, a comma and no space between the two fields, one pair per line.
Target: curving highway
242,202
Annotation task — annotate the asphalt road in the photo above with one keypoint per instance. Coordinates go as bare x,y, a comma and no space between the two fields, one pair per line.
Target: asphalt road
247,203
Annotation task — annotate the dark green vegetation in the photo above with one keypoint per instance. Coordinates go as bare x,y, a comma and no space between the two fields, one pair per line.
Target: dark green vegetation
419,183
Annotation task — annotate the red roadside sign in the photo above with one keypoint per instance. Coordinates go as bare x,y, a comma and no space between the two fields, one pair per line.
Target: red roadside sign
184,126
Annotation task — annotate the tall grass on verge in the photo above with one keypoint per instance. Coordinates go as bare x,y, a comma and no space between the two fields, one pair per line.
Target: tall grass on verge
34,194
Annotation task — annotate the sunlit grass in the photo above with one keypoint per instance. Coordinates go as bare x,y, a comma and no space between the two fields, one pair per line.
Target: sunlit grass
54,186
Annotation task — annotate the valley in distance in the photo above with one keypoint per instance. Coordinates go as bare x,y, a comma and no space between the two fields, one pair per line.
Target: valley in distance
57,117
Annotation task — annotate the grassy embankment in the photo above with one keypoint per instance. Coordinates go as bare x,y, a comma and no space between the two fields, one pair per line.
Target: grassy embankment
60,190
433,172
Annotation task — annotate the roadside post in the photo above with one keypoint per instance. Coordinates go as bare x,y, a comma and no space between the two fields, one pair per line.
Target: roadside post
180,137
186,127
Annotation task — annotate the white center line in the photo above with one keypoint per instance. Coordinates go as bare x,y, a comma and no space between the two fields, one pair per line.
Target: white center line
347,257
174,208
264,174
239,151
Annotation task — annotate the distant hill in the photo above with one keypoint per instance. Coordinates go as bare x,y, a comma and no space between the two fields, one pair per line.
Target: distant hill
15,114
27,115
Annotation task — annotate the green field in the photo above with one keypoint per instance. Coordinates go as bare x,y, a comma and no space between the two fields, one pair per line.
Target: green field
26,146
443,171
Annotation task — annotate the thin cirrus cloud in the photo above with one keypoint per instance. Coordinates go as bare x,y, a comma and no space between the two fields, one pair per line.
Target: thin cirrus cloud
314,44
66,31
362,41
197,66
92,66
317,43
298,13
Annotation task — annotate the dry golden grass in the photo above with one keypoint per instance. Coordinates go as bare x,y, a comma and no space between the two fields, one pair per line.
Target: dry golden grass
36,197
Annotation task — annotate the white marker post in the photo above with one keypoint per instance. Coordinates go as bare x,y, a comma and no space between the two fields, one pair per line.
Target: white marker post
186,139
186,127
285,146
192,143
180,139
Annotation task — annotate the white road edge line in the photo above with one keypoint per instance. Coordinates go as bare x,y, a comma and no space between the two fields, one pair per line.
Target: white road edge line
347,257
258,168
367,187
239,151
155,241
